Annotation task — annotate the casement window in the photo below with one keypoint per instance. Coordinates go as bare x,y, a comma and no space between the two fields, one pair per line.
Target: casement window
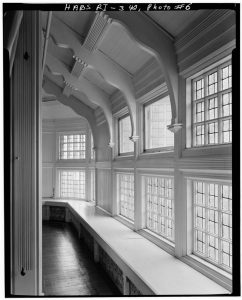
124,130
212,107
159,205
126,195
72,184
212,223
72,146
157,115
92,177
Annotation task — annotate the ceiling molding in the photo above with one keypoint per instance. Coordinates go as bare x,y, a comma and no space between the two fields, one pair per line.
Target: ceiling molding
223,53
118,102
186,61
201,29
95,33
169,35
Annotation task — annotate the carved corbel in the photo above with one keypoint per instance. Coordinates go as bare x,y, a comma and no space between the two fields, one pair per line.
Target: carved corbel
134,138
175,127
111,144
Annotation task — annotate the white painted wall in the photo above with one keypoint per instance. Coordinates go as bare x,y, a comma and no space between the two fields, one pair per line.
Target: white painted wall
50,162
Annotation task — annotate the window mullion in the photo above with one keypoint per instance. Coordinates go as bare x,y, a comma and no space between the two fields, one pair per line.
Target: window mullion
206,219
220,224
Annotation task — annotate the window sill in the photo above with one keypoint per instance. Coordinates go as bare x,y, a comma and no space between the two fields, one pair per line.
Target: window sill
124,156
71,160
159,241
157,154
208,150
123,246
125,221
218,275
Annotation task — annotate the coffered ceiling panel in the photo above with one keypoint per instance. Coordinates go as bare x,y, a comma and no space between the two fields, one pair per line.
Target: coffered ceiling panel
98,80
121,48
83,98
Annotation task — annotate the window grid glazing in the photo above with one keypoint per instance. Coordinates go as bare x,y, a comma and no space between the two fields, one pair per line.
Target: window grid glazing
126,195
212,223
157,117
125,144
73,184
212,101
72,146
159,195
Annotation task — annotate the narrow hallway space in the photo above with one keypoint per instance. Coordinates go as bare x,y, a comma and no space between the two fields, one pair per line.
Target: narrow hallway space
68,268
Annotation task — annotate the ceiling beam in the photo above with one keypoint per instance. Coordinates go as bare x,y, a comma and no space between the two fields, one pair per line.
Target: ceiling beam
86,56
94,94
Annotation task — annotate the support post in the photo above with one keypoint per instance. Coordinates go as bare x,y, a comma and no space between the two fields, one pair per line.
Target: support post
125,285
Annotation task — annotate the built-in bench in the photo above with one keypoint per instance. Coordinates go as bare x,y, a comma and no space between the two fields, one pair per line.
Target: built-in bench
136,265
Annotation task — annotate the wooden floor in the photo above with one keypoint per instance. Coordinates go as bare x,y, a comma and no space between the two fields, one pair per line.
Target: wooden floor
68,268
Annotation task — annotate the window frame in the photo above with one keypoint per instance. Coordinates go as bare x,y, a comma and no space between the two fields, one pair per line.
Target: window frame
118,136
157,149
70,169
92,185
220,275
220,212
190,107
163,238
118,192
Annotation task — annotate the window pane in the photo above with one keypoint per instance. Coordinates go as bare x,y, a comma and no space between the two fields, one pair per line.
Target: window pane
212,101
126,195
157,117
72,184
212,108
199,135
160,206
199,89
213,133
212,83
199,111
227,198
226,77
226,104
212,222
125,144
72,146
93,196
227,131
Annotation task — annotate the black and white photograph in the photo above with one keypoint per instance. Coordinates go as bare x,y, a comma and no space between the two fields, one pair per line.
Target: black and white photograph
119,174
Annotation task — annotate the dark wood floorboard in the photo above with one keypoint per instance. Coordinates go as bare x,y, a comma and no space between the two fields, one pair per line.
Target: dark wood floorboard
68,267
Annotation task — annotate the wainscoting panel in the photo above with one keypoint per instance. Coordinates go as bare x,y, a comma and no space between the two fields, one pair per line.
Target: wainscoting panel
104,189
47,182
